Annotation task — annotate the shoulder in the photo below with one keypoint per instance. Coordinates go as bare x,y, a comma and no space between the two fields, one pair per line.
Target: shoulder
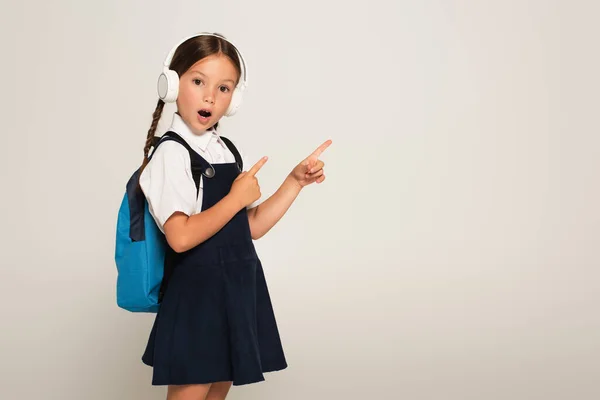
226,139
169,153
168,159
243,154
235,143
169,149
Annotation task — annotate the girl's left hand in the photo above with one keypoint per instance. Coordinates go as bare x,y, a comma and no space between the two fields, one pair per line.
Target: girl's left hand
311,168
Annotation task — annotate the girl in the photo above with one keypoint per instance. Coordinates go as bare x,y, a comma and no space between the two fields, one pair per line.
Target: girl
215,326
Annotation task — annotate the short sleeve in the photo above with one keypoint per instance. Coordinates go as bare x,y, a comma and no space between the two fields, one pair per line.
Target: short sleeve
168,184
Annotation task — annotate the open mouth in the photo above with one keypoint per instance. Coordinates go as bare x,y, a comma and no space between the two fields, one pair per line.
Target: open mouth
204,113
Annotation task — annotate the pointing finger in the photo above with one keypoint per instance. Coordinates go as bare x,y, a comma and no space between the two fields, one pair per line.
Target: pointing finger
256,167
322,148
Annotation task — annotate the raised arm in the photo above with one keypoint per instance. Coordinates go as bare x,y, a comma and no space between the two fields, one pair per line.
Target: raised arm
264,216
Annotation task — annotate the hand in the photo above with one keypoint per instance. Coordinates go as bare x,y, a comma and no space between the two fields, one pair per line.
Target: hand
245,187
311,168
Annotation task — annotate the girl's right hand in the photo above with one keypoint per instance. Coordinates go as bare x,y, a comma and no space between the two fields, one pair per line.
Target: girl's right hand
245,188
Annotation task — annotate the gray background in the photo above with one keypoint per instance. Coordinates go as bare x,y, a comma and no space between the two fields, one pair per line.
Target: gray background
452,252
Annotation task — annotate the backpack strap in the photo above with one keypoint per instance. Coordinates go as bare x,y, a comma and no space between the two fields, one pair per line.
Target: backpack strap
198,164
236,153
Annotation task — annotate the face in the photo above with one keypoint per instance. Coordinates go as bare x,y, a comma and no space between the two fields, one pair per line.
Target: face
205,91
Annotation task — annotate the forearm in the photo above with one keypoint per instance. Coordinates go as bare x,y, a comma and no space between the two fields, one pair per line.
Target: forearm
263,217
184,233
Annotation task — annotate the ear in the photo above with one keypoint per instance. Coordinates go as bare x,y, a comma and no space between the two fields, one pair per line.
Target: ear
168,86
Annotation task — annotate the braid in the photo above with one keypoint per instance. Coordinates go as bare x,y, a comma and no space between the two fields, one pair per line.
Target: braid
150,139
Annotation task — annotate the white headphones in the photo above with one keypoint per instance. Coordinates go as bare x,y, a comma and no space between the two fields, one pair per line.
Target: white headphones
168,81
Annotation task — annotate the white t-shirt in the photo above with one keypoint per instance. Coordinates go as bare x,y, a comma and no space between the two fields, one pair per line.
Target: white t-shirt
167,180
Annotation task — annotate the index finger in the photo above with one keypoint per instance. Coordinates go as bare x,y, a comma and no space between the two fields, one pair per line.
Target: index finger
322,148
256,167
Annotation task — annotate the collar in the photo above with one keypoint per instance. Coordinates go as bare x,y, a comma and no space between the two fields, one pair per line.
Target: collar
202,141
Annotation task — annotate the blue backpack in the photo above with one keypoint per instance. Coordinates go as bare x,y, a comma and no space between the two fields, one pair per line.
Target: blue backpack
141,247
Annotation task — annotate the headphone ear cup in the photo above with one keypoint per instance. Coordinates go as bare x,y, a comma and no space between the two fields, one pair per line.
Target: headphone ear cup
236,101
168,86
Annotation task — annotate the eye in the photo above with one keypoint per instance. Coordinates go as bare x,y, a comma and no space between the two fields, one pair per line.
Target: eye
224,89
197,81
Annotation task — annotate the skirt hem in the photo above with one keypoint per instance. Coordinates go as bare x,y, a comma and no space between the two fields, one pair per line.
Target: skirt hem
161,382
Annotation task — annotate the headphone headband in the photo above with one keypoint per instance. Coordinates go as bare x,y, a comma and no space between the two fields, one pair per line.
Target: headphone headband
169,58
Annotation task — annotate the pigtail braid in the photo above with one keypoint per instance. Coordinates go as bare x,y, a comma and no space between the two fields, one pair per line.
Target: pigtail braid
150,138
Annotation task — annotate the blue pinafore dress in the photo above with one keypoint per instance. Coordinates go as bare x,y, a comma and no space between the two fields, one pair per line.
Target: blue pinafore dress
215,321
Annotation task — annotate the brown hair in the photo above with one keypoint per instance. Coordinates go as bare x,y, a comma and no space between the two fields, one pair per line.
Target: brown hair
187,54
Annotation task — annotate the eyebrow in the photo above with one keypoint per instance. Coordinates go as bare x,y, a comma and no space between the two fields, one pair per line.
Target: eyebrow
200,73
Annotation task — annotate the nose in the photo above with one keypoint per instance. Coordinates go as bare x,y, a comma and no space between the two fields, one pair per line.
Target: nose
209,97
